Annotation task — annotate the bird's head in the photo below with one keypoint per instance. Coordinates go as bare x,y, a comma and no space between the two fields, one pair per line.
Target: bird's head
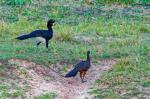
88,52
50,23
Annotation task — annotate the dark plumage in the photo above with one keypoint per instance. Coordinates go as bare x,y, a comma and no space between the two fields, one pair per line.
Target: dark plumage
81,67
41,35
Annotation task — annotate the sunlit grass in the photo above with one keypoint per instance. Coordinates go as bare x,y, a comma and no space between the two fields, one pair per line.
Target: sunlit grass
113,35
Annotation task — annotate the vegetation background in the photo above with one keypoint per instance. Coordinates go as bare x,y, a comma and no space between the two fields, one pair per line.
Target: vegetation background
110,29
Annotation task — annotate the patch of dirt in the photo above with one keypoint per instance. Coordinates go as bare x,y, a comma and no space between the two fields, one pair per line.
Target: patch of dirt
66,88
79,38
3,61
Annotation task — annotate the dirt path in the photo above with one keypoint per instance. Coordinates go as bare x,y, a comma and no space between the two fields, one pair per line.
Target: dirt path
66,88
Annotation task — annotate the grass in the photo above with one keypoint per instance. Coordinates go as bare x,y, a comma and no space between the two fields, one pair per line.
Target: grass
124,1
128,78
9,81
7,91
46,96
114,33
16,2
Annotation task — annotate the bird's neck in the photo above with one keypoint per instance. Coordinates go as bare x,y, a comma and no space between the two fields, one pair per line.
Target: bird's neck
88,57
50,29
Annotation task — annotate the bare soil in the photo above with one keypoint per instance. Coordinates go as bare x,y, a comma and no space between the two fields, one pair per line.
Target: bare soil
66,88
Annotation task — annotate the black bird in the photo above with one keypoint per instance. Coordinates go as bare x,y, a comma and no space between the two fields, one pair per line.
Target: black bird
81,67
42,36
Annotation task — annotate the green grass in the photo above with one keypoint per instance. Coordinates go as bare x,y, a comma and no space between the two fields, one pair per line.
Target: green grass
128,78
9,81
117,38
114,33
124,1
46,96
8,91
16,2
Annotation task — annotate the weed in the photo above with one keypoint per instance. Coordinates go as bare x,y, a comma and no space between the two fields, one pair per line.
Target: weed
46,96
64,33
146,84
7,92
144,30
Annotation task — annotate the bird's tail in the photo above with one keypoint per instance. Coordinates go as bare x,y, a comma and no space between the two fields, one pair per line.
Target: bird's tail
72,73
23,37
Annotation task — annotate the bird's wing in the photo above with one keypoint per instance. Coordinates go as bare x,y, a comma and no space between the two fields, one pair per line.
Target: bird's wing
79,64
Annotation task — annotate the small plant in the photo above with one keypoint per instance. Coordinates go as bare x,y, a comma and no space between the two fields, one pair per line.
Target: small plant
146,84
46,96
5,91
144,30
64,36
65,33
23,71
16,93
105,55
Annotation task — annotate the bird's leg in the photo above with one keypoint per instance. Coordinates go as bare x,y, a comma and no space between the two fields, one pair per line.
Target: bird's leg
46,43
84,76
81,76
38,44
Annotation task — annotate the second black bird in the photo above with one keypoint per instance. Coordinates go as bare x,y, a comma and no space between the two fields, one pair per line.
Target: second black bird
81,67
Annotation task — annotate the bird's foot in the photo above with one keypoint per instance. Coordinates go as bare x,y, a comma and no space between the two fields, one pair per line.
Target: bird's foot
84,81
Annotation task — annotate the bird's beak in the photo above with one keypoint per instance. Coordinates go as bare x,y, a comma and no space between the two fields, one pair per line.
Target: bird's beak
53,24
